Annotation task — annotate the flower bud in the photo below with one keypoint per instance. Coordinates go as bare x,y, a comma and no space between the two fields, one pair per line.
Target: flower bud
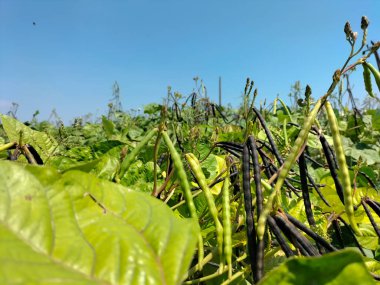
364,23
347,30
354,35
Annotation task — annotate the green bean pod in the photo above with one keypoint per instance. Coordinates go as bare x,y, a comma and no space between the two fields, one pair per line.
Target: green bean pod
201,179
302,137
185,186
367,80
375,73
227,232
132,155
8,146
343,169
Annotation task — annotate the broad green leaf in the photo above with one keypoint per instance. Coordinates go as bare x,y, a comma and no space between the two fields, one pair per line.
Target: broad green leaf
104,167
342,267
45,145
77,229
152,108
213,167
108,127
373,265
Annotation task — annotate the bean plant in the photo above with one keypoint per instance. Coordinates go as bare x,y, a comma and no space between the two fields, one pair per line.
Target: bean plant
211,195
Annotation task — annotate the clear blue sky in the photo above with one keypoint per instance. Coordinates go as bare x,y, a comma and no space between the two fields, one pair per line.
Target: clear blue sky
70,59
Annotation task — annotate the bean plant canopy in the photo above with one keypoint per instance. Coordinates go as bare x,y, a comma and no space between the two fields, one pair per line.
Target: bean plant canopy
193,192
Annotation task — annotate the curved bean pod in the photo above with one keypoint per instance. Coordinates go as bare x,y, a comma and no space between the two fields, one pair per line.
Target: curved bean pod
302,137
367,80
227,239
343,169
132,155
185,186
201,179
375,73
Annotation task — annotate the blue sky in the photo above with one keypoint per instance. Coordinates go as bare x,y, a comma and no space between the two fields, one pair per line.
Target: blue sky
70,59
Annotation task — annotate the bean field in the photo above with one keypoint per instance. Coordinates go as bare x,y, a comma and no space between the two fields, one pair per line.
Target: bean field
193,192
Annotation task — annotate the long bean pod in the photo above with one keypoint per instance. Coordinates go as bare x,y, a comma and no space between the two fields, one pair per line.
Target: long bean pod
332,166
372,220
185,186
304,242
227,239
375,207
375,73
269,136
311,234
357,243
305,190
343,169
259,270
279,237
201,179
251,232
132,155
367,80
302,137
7,146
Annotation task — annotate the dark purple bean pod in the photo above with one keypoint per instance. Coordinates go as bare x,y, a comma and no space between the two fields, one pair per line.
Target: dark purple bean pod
285,230
316,187
305,189
279,237
309,158
35,154
303,242
259,269
15,155
161,159
290,179
177,112
251,143
230,145
338,232
373,185
292,188
374,205
251,231
320,240
332,166
234,178
375,276
266,162
221,114
233,152
333,156
269,136
193,99
368,212
353,235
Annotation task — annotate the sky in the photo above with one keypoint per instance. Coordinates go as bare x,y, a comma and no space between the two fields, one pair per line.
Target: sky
70,59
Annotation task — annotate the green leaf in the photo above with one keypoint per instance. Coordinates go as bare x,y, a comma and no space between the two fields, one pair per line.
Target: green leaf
77,229
108,127
43,144
152,108
342,267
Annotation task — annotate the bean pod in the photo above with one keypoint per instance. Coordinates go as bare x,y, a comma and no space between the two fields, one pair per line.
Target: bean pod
375,73
367,80
343,169
227,239
132,155
185,186
302,137
201,179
